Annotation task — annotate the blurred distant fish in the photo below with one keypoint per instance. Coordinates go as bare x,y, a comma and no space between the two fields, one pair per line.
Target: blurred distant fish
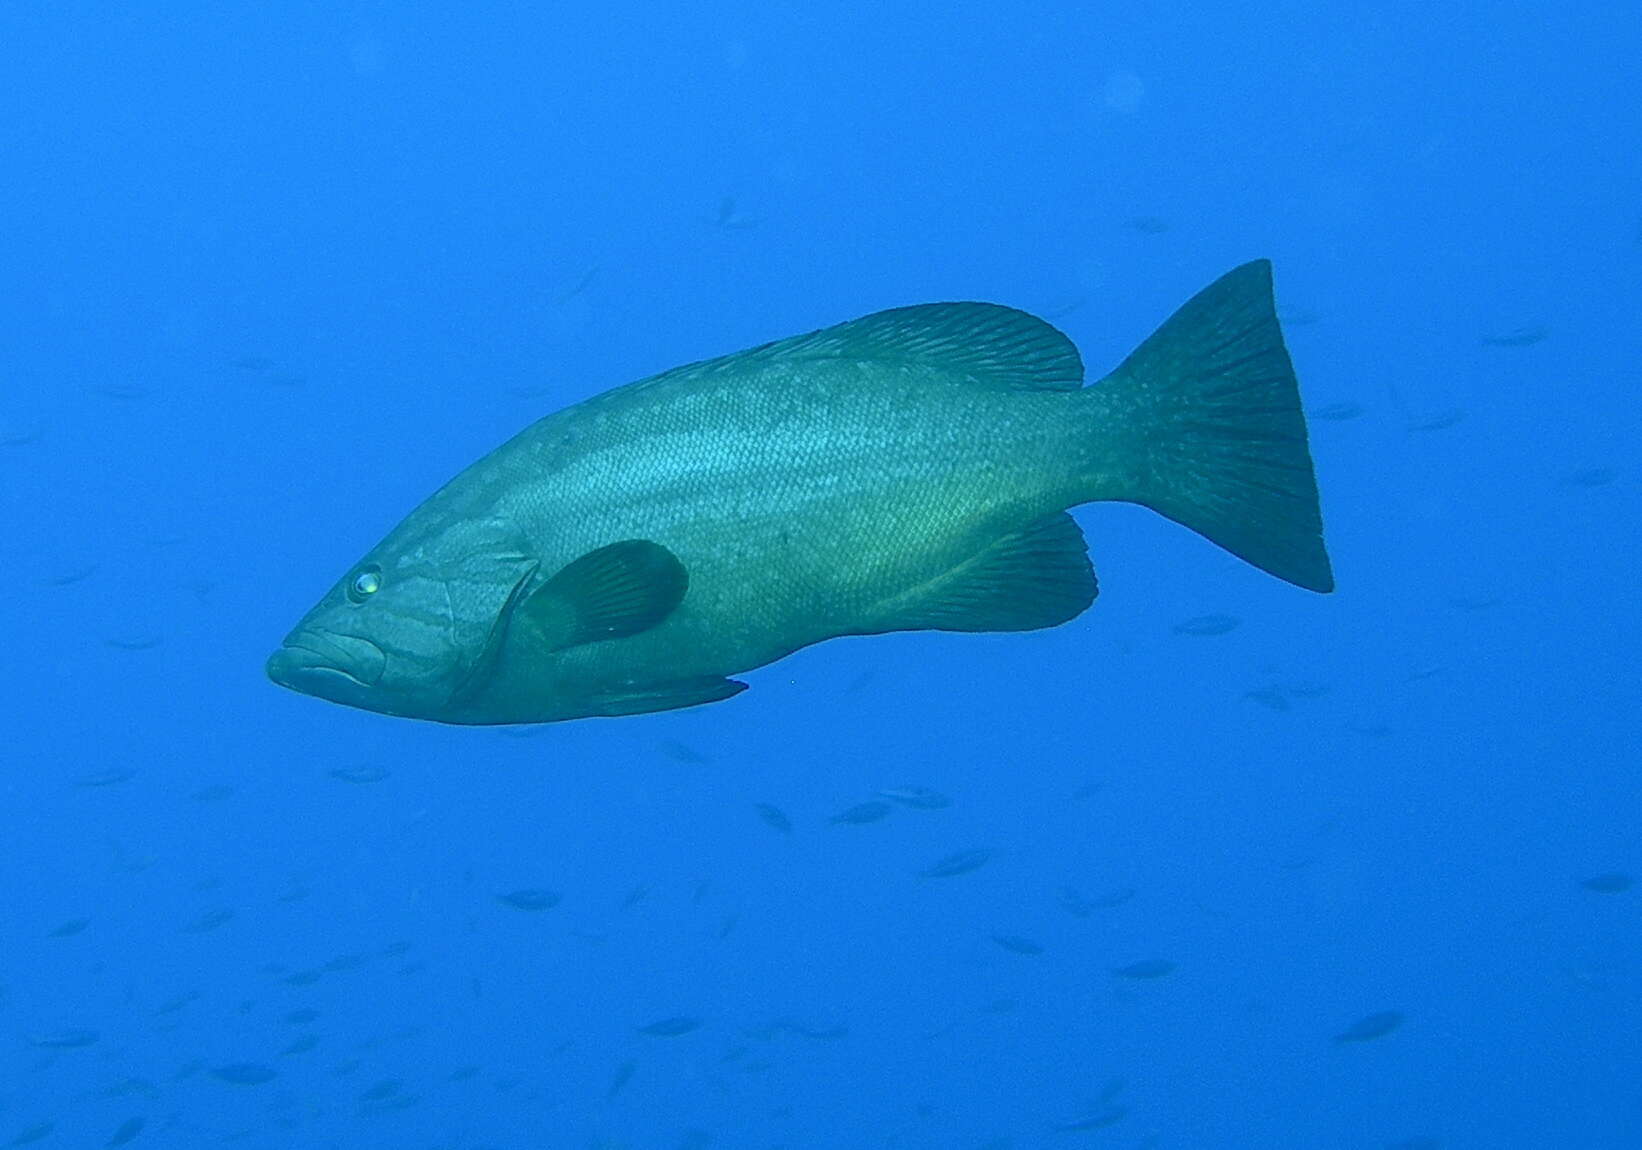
244,1073
1208,625
1272,698
1336,412
128,1086
1115,897
33,1133
918,798
774,817
72,575
72,1039
1370,1027
1147,225
360,774
583,282
862,813
908,470
1108,1115
1614,882
380,1091
1146,968
1072,901
69,928
127,1130
1524,336
730,218
683,753
620,1078
530,898
1015,944
123,391
1439,421
673,1027
814,1033
210,920
134,642
1589,477
172,1005
107,778
959,863
15,437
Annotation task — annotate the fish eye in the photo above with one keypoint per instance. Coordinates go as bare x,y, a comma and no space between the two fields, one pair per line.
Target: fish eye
365,584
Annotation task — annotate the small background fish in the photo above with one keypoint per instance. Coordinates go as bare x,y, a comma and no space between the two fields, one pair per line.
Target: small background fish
272,275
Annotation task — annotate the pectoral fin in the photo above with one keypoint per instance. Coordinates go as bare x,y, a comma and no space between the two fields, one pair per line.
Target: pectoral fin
1038,577
611,593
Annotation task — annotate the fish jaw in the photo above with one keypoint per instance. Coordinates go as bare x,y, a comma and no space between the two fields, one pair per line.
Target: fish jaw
340,668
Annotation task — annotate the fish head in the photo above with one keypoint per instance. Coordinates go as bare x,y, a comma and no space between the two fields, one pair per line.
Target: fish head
415,624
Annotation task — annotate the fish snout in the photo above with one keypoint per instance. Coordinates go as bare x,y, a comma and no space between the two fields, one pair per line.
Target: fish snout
326,664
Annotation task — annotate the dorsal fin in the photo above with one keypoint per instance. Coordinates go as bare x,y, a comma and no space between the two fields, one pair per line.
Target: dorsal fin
988,342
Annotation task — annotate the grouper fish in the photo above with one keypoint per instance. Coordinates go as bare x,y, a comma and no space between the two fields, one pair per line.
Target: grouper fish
908,470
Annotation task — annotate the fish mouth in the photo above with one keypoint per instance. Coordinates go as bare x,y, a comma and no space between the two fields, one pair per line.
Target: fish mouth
331,666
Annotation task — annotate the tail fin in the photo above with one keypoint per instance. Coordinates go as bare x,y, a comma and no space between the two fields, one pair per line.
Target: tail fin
1206,418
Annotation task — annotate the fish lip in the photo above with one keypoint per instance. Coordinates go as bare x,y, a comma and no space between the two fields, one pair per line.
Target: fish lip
309,660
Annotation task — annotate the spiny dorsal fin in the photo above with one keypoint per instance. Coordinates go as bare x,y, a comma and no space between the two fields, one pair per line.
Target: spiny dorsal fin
1038,577
610,593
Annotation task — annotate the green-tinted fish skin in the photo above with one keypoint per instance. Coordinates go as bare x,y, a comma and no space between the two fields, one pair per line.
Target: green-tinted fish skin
908,470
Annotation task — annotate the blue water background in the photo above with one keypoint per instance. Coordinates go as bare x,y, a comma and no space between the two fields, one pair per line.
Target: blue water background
271,275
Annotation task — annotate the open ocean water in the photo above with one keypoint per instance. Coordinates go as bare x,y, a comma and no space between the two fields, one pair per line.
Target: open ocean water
1220,863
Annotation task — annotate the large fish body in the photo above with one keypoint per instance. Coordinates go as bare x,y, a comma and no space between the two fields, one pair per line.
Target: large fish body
908,470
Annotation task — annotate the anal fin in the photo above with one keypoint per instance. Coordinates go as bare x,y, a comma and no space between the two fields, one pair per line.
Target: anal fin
1035,578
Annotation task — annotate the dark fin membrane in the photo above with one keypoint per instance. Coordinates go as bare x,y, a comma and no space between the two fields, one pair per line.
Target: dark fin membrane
616,591
1035,578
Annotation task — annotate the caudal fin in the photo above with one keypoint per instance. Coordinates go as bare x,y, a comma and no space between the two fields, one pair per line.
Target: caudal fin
1206,424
